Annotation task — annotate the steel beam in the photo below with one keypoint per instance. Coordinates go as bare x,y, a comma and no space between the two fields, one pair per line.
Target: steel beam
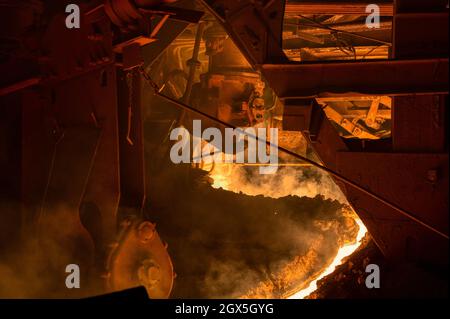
341,7
131,141
391,77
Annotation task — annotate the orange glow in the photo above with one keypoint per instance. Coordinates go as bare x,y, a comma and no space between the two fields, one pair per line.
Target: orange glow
343,252
220,175
226,176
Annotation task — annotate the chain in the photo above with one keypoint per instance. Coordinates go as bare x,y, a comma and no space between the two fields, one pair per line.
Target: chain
149,79
130,78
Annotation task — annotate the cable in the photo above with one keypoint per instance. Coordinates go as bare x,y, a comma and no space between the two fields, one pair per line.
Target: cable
300,157
340,31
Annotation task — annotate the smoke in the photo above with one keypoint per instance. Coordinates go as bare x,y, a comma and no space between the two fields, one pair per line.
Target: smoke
313,239
35,266
228,244
308,182
298,253
276,262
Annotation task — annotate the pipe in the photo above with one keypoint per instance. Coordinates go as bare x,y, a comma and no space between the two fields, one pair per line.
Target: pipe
19,86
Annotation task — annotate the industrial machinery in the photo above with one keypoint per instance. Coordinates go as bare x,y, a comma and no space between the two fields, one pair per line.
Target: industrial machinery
368,106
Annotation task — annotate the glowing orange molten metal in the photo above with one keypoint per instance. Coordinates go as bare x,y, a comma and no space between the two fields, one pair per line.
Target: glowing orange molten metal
343,252
227,176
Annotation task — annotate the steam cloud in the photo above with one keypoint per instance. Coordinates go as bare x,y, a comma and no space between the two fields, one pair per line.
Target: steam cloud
308,182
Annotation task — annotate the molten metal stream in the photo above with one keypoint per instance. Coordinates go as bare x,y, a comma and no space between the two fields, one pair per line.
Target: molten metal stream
343,252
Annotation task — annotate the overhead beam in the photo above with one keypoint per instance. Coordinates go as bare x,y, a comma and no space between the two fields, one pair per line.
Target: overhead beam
342,7
390,77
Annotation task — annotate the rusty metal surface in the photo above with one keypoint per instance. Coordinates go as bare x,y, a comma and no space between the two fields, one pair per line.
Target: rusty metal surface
417,182
420,35
419,123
